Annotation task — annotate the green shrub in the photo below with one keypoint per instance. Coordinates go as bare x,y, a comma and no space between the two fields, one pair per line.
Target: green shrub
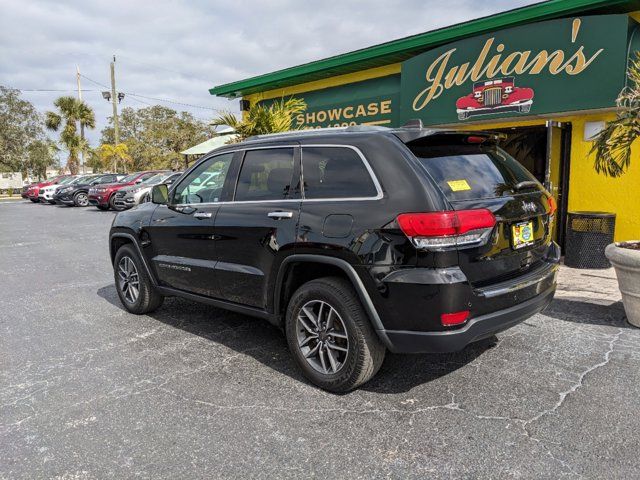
10,192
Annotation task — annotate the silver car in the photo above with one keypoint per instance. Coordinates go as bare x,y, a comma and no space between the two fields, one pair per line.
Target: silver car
135,194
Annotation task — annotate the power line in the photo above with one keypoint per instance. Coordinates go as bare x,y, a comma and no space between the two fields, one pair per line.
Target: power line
163,100
50,90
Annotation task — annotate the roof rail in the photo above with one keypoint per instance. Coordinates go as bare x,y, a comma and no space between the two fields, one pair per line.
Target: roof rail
315,131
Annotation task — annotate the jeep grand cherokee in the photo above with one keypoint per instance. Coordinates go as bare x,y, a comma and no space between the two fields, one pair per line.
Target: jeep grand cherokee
354,241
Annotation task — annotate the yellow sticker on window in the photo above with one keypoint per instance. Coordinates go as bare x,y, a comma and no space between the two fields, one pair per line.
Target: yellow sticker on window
459,185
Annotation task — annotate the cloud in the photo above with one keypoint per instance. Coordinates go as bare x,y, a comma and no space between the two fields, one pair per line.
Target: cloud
179,49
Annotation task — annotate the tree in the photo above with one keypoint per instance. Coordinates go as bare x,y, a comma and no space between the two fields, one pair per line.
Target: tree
94,161
156,135
41,154
262,118
613,144
115,156
22,135
71,111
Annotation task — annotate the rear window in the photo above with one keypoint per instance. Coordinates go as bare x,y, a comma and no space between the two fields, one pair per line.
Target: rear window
467,172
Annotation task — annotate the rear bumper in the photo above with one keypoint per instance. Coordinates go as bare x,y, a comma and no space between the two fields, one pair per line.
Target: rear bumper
476,329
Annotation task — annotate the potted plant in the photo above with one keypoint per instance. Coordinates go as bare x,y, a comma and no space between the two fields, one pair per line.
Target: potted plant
613,157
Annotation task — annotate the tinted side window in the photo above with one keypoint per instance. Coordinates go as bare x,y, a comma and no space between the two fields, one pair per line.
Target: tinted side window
204,183
265,174
335,172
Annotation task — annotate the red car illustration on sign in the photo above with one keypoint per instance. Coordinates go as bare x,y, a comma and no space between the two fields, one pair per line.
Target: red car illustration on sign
495,96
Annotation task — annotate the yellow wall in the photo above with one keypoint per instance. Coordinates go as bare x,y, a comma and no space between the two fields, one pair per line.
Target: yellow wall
591,191
326,83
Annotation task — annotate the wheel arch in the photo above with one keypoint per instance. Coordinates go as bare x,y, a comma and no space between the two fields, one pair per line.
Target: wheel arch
337,264
119,239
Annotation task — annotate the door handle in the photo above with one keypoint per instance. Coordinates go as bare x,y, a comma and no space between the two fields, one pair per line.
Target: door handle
280,215
202,215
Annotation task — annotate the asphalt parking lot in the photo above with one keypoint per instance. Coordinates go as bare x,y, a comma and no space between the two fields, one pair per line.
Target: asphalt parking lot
90,391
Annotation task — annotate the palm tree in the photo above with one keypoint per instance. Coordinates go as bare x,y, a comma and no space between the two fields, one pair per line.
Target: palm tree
262,119
71,111
613,144
114,155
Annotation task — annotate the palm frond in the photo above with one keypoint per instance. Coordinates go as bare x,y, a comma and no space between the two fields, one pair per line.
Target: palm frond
52,121
612,146
262,118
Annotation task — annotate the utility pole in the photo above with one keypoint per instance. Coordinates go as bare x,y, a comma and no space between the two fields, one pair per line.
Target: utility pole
84,171
114,102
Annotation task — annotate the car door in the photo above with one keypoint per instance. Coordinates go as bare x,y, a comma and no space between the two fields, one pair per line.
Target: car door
181,239
256,230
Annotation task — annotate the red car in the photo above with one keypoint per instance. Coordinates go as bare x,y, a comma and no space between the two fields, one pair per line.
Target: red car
34,189
495,96
102,196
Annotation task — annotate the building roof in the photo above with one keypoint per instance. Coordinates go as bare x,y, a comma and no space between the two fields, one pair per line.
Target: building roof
404,48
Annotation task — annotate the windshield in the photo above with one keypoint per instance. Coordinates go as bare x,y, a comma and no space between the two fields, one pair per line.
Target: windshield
82,179
66,180
155,179
129,178
467,172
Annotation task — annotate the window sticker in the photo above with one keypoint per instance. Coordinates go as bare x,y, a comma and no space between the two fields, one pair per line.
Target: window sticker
458,185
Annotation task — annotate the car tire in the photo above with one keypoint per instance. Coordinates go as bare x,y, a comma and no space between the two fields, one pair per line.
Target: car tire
351,342
81,199
34,200
134,287
51,202
112,204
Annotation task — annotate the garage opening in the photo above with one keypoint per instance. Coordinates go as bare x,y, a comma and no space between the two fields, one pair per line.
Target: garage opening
544,150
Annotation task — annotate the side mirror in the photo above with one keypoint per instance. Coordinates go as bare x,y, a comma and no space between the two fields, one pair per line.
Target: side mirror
160,194
138,181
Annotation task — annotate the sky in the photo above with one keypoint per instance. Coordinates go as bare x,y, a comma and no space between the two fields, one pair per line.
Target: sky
177,50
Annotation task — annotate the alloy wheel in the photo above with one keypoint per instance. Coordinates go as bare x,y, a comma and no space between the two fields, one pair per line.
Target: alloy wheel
128,279
83,200
322,337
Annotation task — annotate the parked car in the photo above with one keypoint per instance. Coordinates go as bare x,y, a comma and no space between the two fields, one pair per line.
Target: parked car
128,197
34,188
45,194
353,241
103,197
78,193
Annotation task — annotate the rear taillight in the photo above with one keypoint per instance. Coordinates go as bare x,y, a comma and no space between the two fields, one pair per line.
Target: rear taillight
552,205
449,229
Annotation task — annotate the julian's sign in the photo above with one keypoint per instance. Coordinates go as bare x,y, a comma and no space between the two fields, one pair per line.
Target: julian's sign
548,67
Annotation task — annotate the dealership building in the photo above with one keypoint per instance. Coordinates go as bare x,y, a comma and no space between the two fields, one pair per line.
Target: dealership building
546,76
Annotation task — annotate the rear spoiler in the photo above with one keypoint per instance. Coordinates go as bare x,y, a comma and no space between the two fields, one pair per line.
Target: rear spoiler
413,132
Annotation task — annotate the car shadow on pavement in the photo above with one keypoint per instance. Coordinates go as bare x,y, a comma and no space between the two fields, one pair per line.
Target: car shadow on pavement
267,344
579,311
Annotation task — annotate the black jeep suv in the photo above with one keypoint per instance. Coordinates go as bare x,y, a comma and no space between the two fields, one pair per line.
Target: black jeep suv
353,241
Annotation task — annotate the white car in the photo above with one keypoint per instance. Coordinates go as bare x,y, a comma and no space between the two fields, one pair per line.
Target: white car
45,194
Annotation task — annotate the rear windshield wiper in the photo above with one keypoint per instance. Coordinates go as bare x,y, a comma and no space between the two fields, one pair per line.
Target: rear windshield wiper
526,184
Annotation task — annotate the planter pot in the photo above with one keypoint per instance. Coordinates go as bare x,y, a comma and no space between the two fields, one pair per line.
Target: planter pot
626,261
